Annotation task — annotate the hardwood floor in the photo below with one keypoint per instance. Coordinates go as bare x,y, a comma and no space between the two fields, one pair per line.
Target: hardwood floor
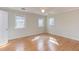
41,42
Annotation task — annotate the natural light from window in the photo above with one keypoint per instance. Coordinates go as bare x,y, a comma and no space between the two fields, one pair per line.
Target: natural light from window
41,22
20,20
51,21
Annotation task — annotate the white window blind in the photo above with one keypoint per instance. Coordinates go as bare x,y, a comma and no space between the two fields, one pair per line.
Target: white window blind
20,20
51,21
40,22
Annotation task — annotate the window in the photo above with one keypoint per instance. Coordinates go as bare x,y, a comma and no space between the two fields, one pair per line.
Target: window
51,21
41,22
20,22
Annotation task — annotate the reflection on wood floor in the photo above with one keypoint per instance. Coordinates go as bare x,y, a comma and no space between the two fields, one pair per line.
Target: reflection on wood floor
41,42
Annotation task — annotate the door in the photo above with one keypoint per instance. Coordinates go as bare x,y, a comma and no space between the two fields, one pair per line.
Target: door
3,27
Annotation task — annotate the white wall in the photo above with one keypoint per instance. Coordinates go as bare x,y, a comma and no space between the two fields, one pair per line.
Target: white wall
66,24
3,27
31,27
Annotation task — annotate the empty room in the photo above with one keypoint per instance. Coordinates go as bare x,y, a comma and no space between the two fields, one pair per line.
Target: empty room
39,29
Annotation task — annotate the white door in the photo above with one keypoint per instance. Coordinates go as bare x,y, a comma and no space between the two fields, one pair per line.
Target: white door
3,27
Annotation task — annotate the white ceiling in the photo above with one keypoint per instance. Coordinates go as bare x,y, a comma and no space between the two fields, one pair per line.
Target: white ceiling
48,10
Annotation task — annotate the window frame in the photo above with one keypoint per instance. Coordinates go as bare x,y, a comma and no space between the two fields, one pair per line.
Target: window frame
51,21
41,20
17,27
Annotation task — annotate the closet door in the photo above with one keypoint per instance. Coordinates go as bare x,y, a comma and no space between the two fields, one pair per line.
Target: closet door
3,27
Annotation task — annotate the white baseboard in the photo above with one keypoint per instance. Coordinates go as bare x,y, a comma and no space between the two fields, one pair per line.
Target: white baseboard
12,38
73,38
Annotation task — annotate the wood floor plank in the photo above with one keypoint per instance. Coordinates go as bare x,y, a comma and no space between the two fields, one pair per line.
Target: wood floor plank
41,42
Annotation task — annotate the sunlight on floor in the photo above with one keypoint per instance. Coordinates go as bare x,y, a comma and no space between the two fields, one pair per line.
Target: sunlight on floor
42,41
36,38
40,45
5,45
53,40
19,47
